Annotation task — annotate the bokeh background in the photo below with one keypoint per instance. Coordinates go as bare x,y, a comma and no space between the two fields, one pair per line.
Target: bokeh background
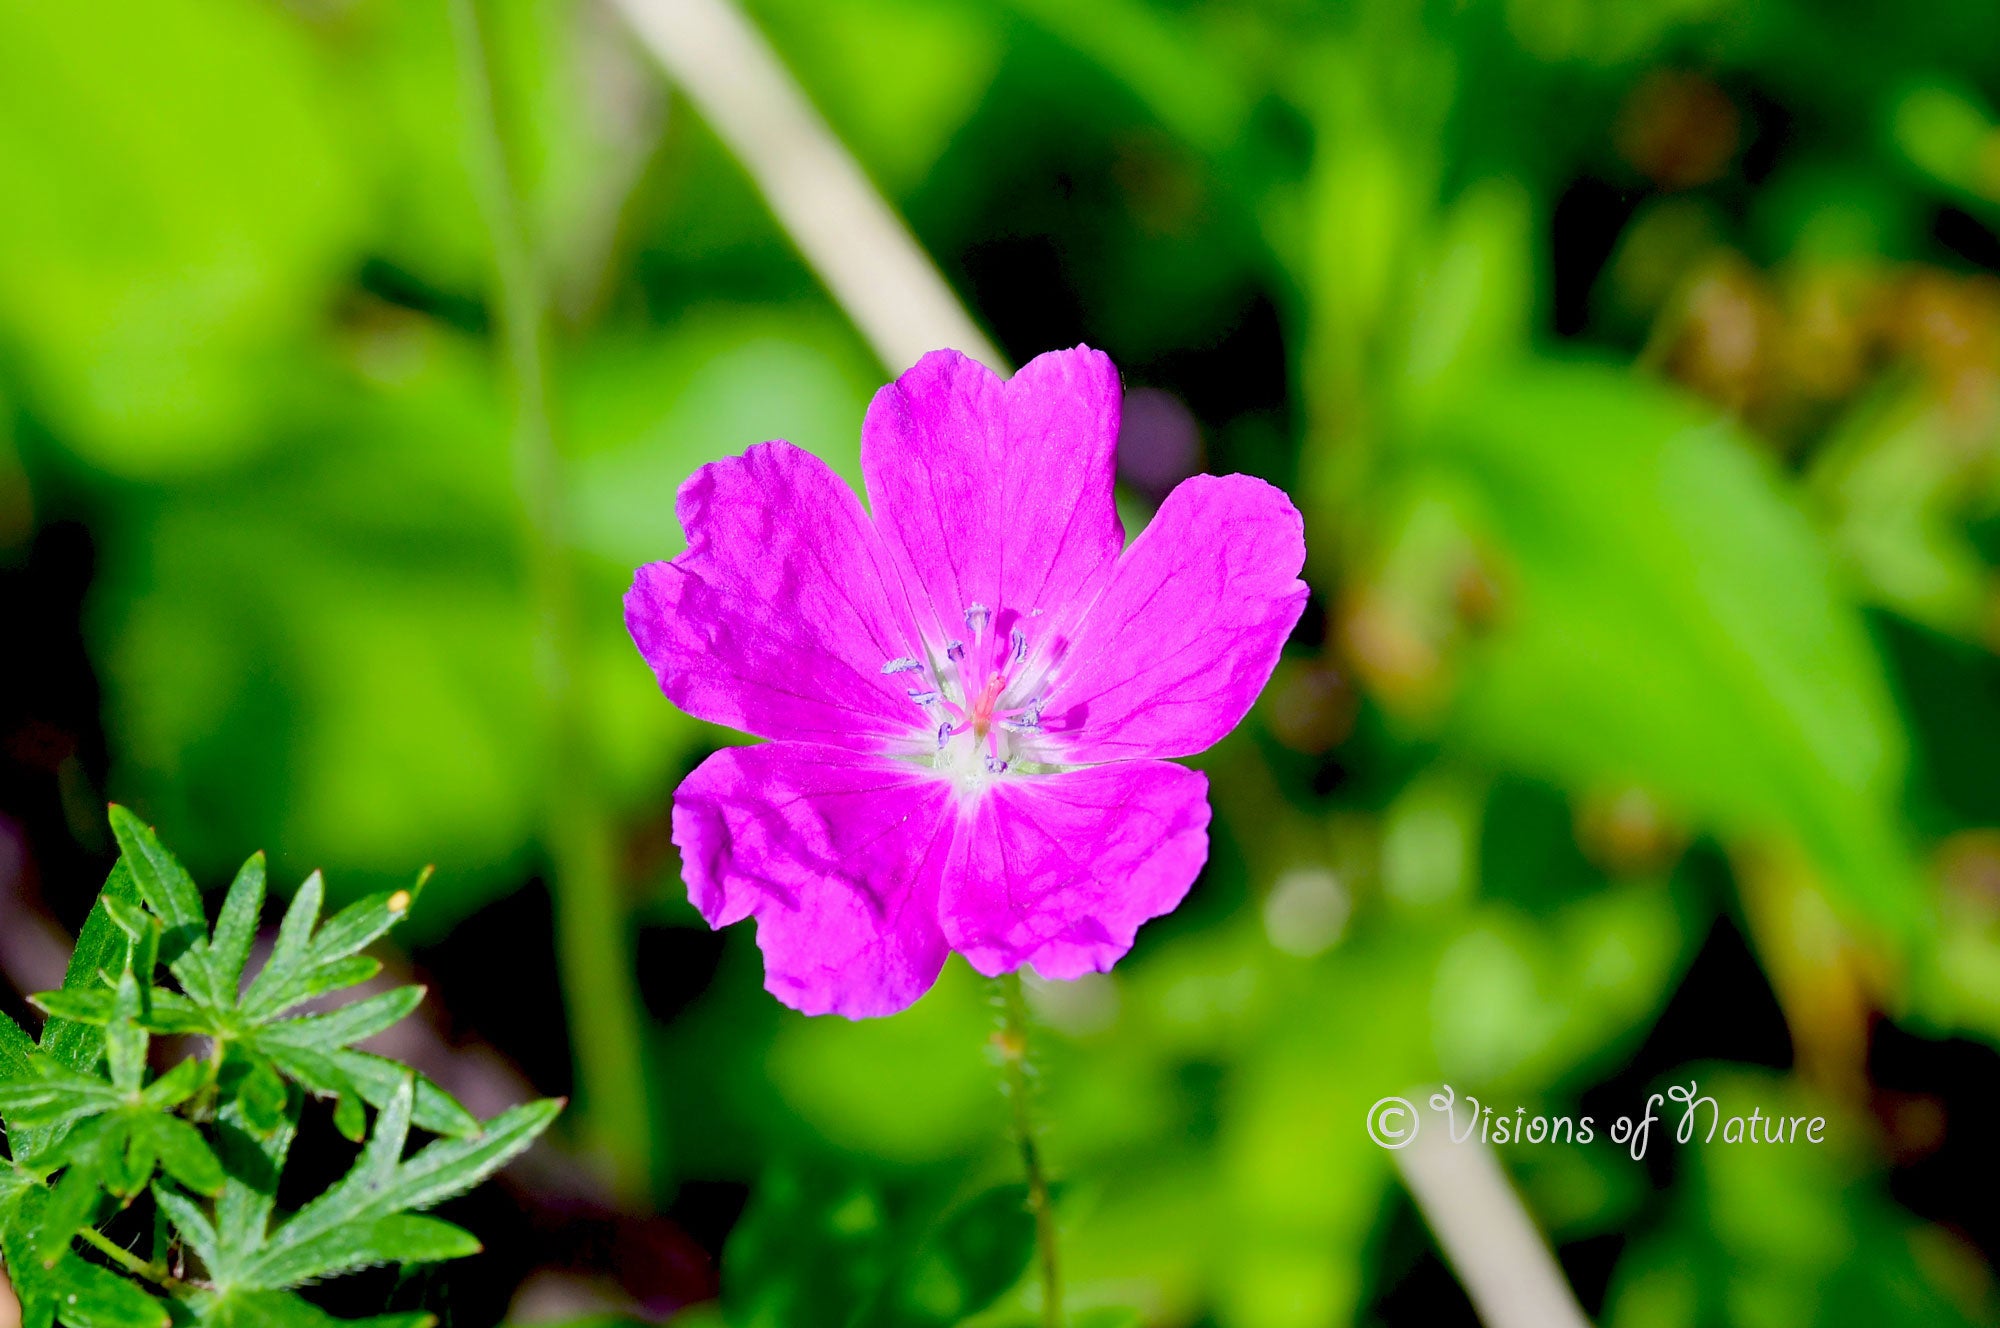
1635,364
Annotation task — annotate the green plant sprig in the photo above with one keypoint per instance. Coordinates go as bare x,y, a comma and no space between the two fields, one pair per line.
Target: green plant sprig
89,1128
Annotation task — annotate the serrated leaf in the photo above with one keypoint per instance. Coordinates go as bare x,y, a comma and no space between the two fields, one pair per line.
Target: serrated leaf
236,927
359,924
265,1099
172,894
381,1185
100,948
175,1086
91,1297
195,1229
396,1239
15,1049
171,1012
347,1025
309,984
289,952
125,1042
350,1117
252,1159
72,1205
52,1095
84,1295
376,1079
182,1152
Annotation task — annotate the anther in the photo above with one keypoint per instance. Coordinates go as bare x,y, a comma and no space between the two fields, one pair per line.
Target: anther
903,665
921,697
955,651
1019,640
976,616
995,766
944,734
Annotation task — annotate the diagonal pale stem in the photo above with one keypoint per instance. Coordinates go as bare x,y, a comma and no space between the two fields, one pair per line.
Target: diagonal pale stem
846,231
592,941
1012,1044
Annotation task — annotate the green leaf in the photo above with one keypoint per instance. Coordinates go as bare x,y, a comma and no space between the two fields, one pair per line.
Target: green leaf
382,1185
397,1239
52,1095
374,1080
288,953
100,949
171,1012
195,1229
172,894
345,1026
359,924
236,928
87,1296
175,1086
15,1049
265,1098
183,1153
975,1254
253,1156
82,1294
1672,622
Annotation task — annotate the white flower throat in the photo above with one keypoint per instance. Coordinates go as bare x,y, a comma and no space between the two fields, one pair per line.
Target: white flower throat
984,697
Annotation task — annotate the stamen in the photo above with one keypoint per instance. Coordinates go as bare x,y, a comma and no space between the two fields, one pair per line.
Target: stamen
995,766
1020,641
903,665
923,698
976,616
944,734
955,652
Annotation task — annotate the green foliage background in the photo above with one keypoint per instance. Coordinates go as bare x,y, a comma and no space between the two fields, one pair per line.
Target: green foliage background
1636,365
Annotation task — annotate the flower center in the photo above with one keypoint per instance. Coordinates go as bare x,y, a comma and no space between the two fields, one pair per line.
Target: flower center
988,691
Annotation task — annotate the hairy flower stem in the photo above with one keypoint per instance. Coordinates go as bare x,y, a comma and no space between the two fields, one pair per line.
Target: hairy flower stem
1012,1044
593,946
129,1261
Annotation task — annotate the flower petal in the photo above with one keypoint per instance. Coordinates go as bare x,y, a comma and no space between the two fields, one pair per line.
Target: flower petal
780,615
997,493
1175,651
1058,871
839,861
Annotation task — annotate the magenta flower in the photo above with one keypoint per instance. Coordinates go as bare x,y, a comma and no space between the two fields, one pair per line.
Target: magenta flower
969,695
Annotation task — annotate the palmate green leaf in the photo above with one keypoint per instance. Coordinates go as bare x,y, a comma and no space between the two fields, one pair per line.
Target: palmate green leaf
365,1218
306,963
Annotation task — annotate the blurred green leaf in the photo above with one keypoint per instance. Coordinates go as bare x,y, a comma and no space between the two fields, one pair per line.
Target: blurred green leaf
1668,620
181,207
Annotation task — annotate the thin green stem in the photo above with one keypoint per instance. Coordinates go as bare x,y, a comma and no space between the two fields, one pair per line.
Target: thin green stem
592,927
129,1261
1012,1043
